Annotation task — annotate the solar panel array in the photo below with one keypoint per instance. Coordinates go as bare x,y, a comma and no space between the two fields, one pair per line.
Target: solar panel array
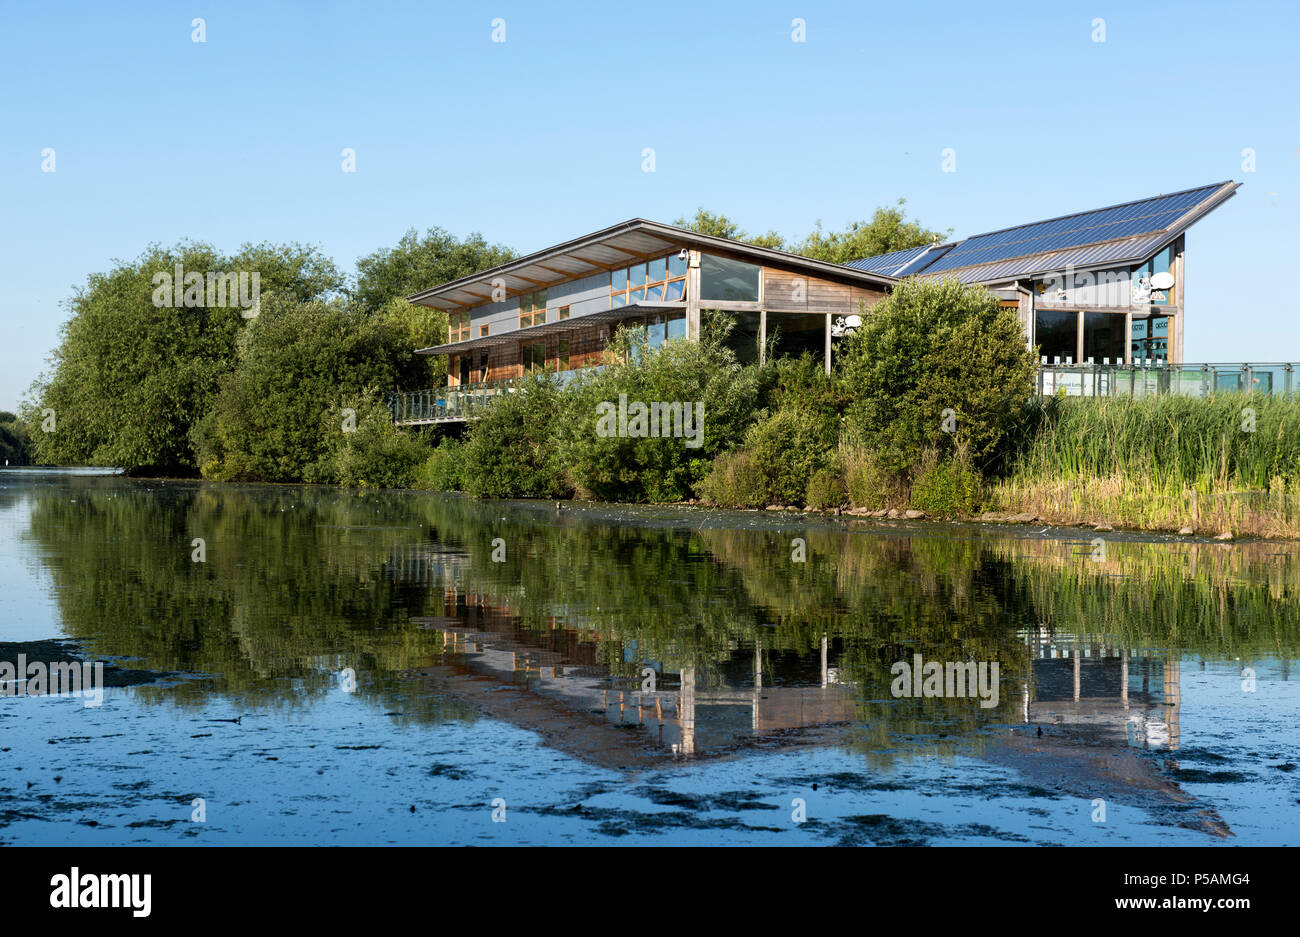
1055,234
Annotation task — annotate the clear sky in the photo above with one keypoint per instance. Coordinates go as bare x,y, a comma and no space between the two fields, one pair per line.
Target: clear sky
540,138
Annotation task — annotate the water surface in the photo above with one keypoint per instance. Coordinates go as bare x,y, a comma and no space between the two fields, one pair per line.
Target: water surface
402,667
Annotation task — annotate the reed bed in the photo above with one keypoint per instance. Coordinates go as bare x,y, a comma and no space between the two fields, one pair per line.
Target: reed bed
1229,462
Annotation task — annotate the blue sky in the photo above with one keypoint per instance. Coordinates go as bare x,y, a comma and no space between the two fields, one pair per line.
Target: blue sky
540,138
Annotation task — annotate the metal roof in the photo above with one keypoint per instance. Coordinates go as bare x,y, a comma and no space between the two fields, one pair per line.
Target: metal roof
1121,233
614,247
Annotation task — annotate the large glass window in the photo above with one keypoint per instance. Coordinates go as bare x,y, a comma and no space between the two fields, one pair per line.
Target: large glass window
743,339
658,280
1057,334
676,325
656,331
796,333
1103,337
726,279
562,355
532,309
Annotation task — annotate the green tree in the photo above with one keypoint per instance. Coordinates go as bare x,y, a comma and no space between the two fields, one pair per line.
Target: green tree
134,373
716,225
296,362
937,365
417,263
15,441
888,230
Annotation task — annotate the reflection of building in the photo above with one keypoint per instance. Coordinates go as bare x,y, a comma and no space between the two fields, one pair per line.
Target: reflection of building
1092,683
562,666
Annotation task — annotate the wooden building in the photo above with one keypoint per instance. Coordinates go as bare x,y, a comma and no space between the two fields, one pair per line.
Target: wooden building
1105,285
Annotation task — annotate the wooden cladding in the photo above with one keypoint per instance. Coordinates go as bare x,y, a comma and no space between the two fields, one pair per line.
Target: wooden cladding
796,292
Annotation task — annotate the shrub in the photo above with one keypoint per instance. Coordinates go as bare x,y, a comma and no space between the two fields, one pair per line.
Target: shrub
825,489
513,449
946,487
927,348
870,484
789,447
444,470
374,455
735,481
628,468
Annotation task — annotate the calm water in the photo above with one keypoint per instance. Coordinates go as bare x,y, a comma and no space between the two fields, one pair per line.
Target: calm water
346,667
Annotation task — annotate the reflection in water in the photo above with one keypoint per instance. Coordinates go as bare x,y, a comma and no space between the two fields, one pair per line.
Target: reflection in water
627,636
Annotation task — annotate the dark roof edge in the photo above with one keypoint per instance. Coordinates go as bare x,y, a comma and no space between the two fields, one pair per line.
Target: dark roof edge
634,224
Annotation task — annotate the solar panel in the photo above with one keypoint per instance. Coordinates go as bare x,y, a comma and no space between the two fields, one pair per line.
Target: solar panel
1103,224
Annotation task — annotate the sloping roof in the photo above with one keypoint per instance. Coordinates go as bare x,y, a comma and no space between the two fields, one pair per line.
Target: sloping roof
616,246
1124,233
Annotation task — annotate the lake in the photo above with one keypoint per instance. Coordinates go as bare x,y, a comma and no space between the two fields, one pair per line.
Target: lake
299,665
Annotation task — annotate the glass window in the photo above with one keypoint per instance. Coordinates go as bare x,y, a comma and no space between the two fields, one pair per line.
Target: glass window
458,327
743,339
676,325
483,331
534,357
562,354
791,334
564,312
532,309
1103,336
654,270
1150,339
655,332
1057,334
726,279
654,280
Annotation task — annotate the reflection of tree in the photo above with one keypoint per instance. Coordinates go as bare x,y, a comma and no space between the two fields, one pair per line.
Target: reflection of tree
298,583
292,589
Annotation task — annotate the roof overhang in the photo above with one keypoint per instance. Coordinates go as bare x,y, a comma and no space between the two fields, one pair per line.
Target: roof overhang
534,332
613,248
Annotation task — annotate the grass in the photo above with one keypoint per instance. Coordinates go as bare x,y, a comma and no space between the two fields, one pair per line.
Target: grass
1230,462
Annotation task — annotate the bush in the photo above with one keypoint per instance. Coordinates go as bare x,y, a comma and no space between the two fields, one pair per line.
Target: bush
444,470
513,449
870,484
946,487
735,481
376,454
931,347
789,447
654,468
825,489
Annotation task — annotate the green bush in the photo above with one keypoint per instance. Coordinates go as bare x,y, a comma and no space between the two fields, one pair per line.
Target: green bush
825,489
735,481
870,484
789,447
946,487
513,449
444,470
660,468
937,365
374,454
